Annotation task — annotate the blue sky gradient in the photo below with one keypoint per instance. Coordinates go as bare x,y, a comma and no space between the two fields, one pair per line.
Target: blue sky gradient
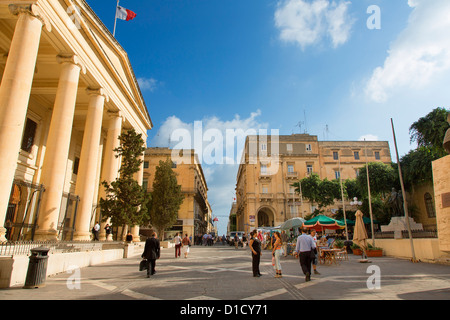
226,62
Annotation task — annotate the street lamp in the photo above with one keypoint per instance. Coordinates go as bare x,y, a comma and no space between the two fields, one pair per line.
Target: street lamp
355,202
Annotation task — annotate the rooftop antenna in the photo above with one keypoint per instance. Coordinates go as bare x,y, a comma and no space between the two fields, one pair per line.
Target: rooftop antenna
306,128
299,125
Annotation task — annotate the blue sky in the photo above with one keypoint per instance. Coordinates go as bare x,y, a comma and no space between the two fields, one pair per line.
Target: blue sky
272,64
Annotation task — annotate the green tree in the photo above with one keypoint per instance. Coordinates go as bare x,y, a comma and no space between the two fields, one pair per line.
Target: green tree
166,197
126,201
321,192
429,131
382,179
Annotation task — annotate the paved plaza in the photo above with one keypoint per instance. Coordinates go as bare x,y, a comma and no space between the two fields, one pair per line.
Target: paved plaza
224,273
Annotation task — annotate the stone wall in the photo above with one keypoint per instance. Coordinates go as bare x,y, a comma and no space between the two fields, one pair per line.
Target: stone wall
441,177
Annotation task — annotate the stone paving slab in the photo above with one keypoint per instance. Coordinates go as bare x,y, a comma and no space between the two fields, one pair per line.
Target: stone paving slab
224,273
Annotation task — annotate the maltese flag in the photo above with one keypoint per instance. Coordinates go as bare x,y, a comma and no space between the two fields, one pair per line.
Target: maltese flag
124,14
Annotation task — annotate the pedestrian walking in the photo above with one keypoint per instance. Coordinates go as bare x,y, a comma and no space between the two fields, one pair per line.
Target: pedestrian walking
305,251
108,231
276,253
314,261
177,241
95,231
255,246
151,253
186,243
236,241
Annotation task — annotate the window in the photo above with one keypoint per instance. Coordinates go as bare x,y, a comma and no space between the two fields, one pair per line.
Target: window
377,155
308,147
309,169
290,168
335,155
293,209
291,189
76,164
29,135
145,164
289,147
429,205
265,189
356,155
263,169
145,184
263,147
357,172
174,165
337,174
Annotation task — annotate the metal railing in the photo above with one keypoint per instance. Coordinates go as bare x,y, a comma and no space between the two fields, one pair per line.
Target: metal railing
24,247
416,234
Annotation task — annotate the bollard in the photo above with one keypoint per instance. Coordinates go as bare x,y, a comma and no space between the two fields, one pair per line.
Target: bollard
37,268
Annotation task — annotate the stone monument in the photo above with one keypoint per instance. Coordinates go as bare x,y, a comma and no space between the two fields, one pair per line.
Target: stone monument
398,220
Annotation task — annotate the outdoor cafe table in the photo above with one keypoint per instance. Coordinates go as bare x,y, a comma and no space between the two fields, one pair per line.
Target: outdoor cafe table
330,255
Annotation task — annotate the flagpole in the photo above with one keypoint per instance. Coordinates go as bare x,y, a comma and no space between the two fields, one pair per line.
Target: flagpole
405,204
115,19
343,202
370,199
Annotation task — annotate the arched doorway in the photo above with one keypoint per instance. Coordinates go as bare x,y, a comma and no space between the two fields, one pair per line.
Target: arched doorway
265,217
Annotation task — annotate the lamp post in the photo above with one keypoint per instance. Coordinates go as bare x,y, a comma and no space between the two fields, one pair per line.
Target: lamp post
355,202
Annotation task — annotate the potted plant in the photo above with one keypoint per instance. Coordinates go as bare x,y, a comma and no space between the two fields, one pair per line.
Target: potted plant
338,244
374,251
356,249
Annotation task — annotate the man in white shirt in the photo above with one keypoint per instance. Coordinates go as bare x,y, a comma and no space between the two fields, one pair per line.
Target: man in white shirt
304,250
177,241
95,231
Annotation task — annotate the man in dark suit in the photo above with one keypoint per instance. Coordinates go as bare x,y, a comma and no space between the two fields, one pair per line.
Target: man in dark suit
151,253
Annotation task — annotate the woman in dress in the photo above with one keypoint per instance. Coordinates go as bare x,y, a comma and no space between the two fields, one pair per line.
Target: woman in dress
255,247
276,252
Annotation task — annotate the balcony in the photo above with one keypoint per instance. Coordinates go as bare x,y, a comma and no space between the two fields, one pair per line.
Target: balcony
292,175
265,196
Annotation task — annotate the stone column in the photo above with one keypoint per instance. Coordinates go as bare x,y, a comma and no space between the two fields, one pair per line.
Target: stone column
15,92
111,165
87,171
57,147
139,176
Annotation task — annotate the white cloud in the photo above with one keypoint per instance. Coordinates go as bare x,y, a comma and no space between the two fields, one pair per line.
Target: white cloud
147,84
220,178
308,23
368,137
419,55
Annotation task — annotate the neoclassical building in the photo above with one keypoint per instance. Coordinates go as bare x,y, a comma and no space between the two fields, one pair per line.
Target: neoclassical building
67,92
195,214
270,165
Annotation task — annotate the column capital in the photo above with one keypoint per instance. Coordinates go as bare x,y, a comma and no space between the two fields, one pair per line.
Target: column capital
73,59
33,10
97,92
116,114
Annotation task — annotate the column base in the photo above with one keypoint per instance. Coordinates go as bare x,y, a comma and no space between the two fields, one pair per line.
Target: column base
81,236
46,235
3,234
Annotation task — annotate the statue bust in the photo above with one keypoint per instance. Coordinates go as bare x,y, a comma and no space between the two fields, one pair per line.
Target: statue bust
395,203
447,136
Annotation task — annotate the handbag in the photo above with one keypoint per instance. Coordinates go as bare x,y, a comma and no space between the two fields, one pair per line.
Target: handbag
143,265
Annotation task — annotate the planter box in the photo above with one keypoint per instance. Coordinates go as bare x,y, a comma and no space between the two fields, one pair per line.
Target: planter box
357,252
374,253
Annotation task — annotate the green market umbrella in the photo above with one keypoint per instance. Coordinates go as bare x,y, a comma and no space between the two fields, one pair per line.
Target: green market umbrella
321,222
349,222
367,221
